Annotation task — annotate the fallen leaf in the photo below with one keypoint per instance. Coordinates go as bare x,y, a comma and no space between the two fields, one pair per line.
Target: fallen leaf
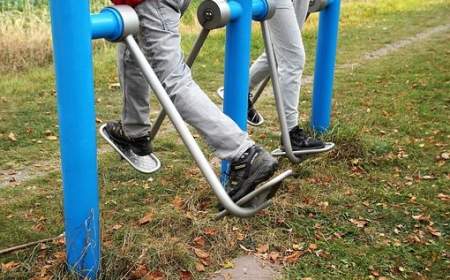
9,266
434,231
200,253
445,156
293,258
359,223
273,256
228,265
138,272
178,202
38,227
443,197
312,247
210,231
263,248
307,278
185,275
117,227
199,267
155,275
240,236
60,257
421,218
199,242
12,137
297,247
52,138
146,219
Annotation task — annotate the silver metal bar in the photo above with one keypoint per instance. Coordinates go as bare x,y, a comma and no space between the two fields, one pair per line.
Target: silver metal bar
185,134
197,47
277,93
266,187
199,42
260,89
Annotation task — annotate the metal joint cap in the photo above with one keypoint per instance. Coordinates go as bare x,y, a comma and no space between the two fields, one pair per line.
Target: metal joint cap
270,7
317,5
213,14
130,20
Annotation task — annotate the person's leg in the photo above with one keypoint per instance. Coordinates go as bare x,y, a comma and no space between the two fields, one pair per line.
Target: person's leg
301,10
290,56
136,103
259,71
160,40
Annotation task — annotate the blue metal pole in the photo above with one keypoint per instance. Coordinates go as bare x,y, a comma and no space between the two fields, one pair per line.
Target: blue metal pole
71,27
325,64
237,60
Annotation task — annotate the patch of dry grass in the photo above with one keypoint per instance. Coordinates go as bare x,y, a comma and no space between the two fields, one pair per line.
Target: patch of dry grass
24,39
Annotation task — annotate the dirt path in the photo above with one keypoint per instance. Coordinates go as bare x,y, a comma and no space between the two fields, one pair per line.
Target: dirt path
14,177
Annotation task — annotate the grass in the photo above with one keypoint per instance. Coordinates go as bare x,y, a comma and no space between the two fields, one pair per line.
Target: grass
376,207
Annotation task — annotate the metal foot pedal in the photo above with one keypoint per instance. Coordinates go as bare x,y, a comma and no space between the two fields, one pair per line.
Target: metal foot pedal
328,147
145,164
260,198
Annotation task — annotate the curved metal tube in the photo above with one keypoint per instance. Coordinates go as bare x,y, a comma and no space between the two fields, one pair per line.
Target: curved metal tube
276,90
264,188
189,62
185,134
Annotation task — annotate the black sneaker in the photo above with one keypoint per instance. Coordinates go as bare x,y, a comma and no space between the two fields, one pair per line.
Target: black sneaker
253,117
252,168
301,141
141,146
137,151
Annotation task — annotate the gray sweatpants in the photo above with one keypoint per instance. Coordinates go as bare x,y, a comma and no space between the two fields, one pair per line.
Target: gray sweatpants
159,38
289,51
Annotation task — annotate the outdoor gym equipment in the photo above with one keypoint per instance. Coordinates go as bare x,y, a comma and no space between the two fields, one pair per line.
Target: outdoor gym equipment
73,29
325,63
323,78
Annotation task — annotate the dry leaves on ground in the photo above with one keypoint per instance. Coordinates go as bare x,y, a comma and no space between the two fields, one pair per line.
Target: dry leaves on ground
359,223
9,266
155,275
262,248
146,219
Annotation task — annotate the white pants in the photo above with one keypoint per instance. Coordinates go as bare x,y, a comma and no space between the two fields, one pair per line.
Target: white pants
289,51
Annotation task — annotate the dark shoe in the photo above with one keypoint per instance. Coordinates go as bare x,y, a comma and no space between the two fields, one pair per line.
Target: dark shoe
137,151
141,146
301,141
252,168
253,117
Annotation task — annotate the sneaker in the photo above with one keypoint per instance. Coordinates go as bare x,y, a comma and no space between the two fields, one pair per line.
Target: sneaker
254,167
141,146
301,141
136,151
253,117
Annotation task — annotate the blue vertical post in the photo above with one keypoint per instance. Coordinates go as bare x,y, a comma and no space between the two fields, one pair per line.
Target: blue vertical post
72,31
237,61
325,65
